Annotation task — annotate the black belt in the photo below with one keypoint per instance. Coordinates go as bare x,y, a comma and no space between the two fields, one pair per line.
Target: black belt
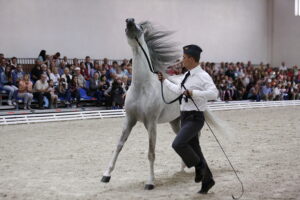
191,112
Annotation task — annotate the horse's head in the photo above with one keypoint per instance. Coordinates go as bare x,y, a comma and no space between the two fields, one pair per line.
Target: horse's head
133,31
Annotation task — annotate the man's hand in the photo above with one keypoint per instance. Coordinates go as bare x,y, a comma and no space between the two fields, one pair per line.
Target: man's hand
160,76
188,93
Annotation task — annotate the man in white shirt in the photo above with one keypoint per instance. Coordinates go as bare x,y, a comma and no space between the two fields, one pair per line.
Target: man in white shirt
41,89
196,87
282,67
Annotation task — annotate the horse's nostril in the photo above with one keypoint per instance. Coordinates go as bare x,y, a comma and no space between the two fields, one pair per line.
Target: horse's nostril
130,21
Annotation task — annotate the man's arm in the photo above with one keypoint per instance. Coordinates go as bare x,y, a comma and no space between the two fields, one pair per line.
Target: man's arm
210,92
172,86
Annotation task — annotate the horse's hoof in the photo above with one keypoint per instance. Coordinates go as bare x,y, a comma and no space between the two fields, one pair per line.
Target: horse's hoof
105,179
149,187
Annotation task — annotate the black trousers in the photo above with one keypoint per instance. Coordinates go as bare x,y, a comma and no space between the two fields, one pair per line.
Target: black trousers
40,97
186,143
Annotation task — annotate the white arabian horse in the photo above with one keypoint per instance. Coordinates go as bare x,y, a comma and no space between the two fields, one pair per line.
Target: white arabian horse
144,101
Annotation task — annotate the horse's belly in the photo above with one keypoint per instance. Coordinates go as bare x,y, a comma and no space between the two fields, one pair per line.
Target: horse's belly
169,113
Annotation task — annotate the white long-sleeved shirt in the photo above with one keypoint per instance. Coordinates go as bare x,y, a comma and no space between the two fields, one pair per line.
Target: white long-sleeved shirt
202,86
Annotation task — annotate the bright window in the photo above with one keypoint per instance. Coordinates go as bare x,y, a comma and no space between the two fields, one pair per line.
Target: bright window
297,7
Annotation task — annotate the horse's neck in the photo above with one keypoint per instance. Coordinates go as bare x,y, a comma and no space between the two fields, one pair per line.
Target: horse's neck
140,71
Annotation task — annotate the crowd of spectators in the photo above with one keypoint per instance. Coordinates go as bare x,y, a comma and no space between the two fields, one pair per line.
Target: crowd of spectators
240,81
54,79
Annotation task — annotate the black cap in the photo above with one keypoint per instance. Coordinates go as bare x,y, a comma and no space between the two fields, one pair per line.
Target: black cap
193,51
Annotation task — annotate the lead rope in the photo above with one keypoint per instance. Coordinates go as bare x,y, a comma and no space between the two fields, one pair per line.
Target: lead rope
155,72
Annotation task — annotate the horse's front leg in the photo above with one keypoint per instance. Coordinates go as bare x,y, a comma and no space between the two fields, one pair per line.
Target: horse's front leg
151,154
127,127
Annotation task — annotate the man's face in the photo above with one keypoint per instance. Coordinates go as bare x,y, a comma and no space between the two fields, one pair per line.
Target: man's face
66,71
187,61
19,68
43,78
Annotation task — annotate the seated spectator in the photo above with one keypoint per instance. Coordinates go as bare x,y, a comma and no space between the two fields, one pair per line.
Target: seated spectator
56,58
67,76
276,92
36,72
266,92
41,90
84,71
88,65
6,83
76,62
54,76
54,96
104,85
42,56
61,67
94,89
119,74
254,93
14,63
46,71
117,94
113,71
63,91
282,67
75,90
96,69
65,60
80,79
2,64
18,74
105,64
25,91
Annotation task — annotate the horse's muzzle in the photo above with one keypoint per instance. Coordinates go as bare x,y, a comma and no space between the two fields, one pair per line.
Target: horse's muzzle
130,22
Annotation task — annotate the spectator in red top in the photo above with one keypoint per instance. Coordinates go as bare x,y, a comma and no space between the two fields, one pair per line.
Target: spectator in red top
84,71
88,64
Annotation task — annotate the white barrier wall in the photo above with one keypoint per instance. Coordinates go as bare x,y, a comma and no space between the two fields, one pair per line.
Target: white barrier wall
231,30
286,37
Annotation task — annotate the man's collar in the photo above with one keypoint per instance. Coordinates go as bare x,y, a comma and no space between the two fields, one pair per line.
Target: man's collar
195,69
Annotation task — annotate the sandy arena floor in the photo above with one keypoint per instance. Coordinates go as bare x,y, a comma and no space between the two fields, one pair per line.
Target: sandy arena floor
66,160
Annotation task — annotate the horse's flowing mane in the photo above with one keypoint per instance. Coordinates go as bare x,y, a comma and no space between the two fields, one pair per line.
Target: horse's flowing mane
163,52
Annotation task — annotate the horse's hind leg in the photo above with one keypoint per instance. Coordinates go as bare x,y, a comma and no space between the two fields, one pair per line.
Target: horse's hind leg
175,124
127,127
151,128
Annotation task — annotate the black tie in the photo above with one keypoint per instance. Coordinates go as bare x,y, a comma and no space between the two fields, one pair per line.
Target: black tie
185,77
182,85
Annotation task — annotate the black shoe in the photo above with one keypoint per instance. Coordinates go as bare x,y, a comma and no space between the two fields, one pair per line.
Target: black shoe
198,174
207,186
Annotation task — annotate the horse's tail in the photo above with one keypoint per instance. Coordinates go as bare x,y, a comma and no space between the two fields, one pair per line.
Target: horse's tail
217,124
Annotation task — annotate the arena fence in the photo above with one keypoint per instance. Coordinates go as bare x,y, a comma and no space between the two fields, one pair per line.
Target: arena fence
31,61
101,114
